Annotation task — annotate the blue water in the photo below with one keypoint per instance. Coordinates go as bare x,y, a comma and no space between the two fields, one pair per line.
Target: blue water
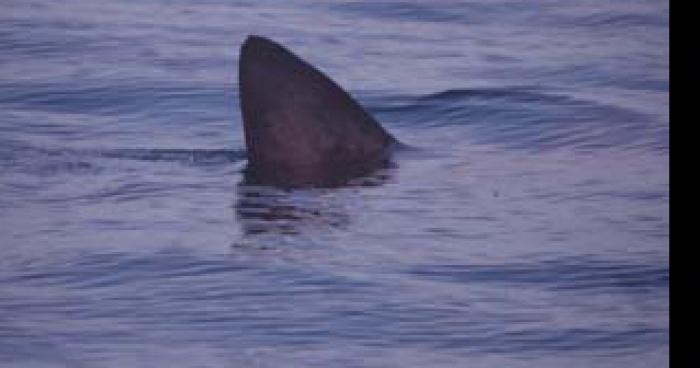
529,227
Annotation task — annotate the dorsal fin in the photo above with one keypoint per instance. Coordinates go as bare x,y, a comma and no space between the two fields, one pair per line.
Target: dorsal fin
301,128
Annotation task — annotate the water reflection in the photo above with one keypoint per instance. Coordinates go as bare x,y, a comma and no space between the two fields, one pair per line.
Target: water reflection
278,211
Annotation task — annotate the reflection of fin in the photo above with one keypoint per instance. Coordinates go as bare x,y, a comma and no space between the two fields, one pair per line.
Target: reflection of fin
301,128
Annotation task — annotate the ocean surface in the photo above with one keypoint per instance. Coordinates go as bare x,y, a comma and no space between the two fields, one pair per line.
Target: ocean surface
529,227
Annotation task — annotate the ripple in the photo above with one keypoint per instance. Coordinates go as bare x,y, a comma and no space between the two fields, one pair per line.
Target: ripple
573,274
525,118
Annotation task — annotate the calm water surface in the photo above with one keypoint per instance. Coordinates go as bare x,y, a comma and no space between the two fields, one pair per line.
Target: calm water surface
529,227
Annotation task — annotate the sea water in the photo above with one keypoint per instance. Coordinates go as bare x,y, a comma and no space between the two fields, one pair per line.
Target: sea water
528,226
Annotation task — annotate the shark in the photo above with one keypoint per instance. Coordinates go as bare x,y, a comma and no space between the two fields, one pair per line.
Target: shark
301,128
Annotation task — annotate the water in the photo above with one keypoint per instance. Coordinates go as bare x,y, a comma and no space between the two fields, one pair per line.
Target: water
529,227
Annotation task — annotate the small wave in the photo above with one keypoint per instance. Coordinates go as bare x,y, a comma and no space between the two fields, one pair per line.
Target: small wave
513,92
618,21
401,10
472,98
115,269
47,161
115,97
575,274
471,13
526,117
192,156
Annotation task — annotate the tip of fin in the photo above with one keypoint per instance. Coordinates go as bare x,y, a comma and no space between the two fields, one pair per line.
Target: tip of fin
257,41
254,38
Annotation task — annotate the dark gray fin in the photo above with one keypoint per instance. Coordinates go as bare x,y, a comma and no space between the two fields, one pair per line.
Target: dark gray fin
301,128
